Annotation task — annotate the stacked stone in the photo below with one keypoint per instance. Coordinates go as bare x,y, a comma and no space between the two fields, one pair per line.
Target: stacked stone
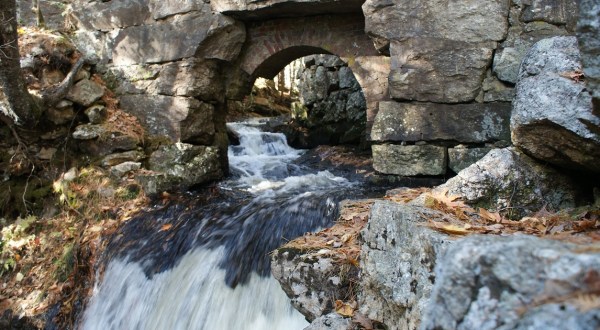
453,71
333,99
166,76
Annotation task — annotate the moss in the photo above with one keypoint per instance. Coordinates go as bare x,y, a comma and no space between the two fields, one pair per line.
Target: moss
66,263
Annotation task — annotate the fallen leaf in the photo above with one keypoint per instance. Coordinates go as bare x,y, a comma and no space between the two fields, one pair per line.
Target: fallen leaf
450,229
489,216
363,321
343,308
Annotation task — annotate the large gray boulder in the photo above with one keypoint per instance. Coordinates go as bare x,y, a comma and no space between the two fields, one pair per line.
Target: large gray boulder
397,261
552,118
518,282
508,180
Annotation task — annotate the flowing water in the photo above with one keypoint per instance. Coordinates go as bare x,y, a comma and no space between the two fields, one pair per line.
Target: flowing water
202,261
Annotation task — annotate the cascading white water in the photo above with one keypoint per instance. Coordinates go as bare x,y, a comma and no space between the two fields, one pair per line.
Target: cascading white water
221,281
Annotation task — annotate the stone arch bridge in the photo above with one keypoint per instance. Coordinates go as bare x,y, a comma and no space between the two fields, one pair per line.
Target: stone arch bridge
438,75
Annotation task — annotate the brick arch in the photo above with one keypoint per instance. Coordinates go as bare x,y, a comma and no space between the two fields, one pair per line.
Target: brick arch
272,44
341,35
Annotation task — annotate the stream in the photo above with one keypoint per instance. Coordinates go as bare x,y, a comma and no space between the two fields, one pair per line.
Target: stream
201,261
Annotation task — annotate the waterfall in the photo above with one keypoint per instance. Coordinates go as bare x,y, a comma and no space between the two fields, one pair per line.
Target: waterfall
203,263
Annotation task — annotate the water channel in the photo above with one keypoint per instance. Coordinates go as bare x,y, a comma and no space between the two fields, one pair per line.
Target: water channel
202,261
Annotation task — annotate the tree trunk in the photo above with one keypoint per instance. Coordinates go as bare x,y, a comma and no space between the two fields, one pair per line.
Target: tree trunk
24,110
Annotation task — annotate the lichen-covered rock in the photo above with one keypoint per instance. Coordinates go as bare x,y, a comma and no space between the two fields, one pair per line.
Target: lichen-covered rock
331,321
97,114
492,282
397,261
122,169
588,36
181,166
507,179
409,160
552,118
312,280
88,132
85,92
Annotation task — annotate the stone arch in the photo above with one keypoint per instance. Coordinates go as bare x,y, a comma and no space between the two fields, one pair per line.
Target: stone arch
272,44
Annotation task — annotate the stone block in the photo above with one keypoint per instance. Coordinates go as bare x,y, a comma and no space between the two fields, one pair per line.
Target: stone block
224,40
438,70
122,169
122,157
467,21
198,127
496,91
559,12
162,41
106,16
464,123
461,158
191,78
268,9
60,116
162,115
97,114
409,160
165,8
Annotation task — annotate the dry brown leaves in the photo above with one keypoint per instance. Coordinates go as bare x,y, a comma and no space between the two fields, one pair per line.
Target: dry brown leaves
578,226
33,286
118,120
